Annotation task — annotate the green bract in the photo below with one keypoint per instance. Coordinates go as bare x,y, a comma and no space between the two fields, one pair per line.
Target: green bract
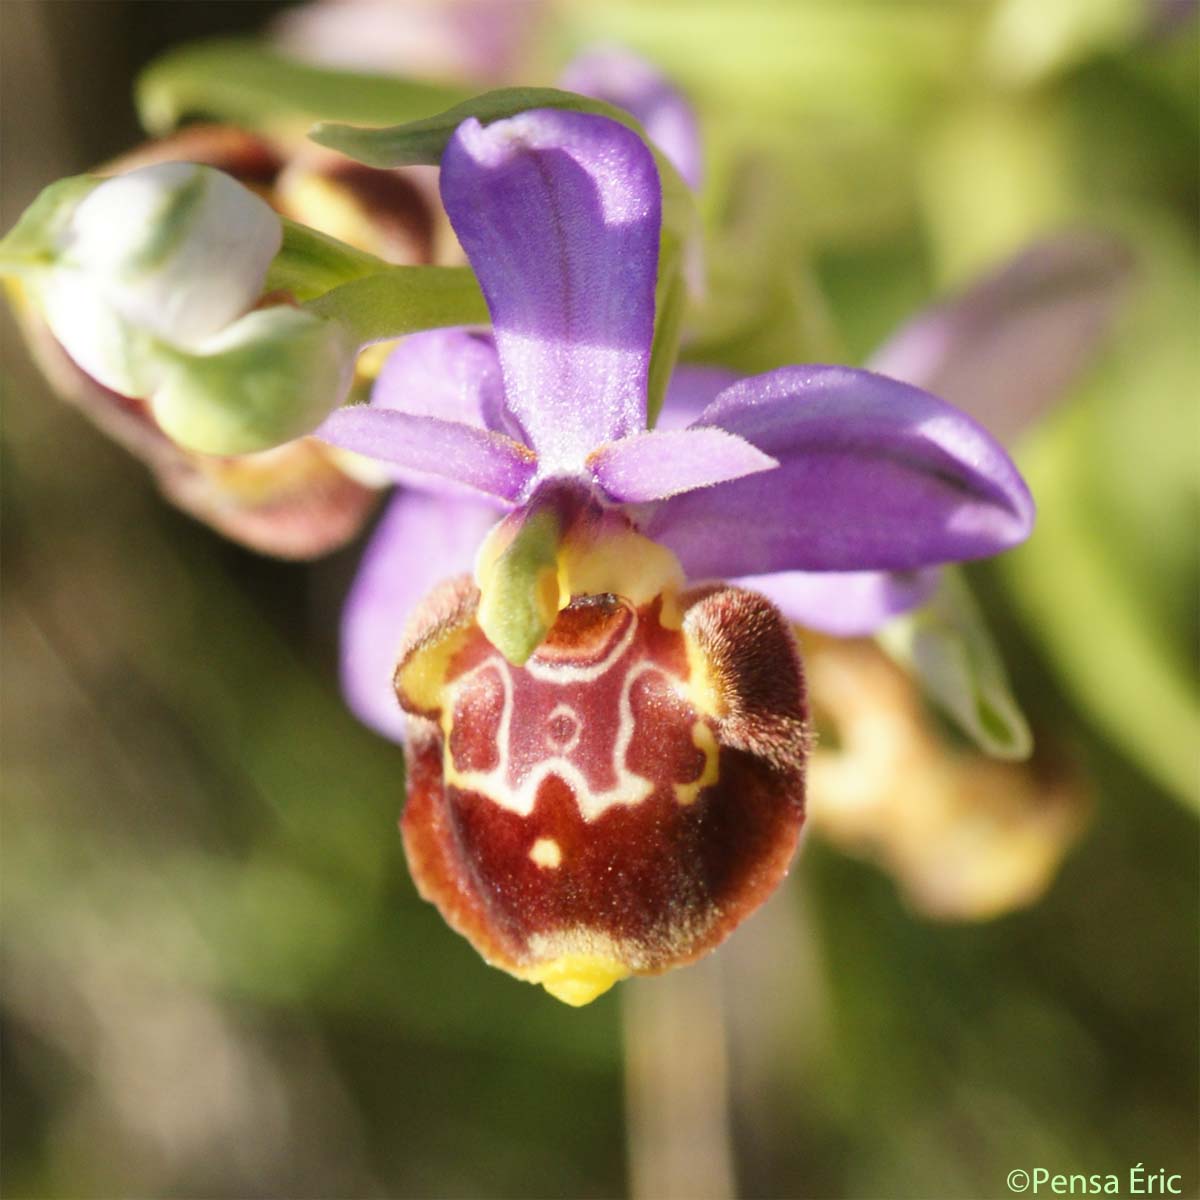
946,645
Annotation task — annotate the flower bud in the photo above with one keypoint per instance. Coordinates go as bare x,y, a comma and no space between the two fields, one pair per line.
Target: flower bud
617,804
268,378
177,249
131,270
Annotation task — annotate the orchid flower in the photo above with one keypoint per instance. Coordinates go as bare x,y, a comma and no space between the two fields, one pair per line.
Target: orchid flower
606,752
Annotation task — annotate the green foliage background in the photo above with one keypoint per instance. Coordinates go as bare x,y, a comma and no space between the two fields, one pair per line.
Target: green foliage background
218,980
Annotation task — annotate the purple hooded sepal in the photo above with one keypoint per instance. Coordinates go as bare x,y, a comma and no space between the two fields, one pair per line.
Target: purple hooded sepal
630,82
559,213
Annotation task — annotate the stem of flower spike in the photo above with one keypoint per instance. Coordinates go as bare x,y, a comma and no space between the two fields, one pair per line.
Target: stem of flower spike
677,1116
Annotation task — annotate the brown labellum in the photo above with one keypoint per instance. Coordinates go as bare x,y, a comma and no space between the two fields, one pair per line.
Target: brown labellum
620,802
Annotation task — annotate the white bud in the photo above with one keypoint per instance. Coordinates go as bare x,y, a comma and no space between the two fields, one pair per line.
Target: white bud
95,335
177,249
148,280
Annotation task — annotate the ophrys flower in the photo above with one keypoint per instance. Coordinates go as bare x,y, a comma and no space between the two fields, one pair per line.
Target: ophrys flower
606,765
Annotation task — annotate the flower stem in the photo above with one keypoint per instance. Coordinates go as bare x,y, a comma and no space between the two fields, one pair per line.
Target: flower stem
677,1086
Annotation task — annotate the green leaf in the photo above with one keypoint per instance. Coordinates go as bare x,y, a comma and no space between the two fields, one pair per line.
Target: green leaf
244,82
422,142
33,241
400,300
947,646
670,303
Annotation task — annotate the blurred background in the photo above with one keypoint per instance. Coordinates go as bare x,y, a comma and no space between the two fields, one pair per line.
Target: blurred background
218,979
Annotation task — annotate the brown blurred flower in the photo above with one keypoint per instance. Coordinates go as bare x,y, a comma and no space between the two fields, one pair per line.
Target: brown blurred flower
965,836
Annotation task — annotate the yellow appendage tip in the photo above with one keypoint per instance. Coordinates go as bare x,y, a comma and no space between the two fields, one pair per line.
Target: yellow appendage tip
577,979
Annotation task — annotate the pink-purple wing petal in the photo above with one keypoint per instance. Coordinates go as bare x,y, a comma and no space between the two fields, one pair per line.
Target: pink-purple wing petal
478,458
653,466
1008,348
420,541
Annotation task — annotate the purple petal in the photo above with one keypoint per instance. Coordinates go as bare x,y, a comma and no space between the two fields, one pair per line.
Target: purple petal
449,373
1007,349
486,461
692,388
653,466
559,214
873,475
420,541
844,603
627,81
453,374
475,41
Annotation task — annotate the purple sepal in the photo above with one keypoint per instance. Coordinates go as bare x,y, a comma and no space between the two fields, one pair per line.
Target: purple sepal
628,81
873,475
489,462
453,374
844,603
420,541
559,214
653,466
1008,348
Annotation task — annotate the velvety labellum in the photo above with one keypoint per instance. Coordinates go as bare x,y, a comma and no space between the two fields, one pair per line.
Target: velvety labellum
619,802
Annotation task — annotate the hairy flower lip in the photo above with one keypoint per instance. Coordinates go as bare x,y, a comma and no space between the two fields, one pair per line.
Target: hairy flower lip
562,862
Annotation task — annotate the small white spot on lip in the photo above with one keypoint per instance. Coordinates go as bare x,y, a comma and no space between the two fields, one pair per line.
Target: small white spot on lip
545,852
